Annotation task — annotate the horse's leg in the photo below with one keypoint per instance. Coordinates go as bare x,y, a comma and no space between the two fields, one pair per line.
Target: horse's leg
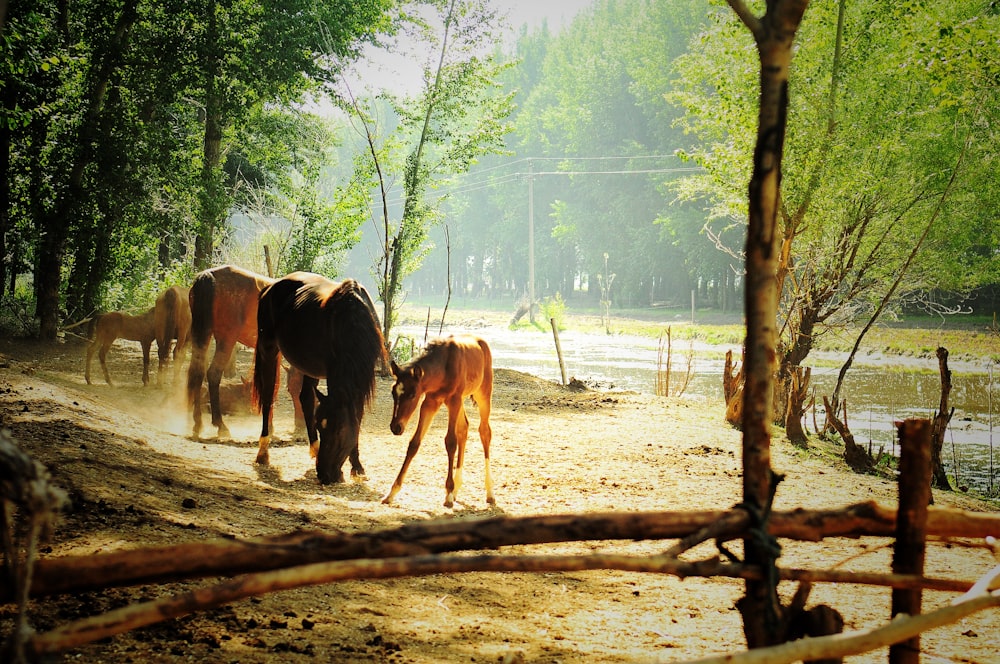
454,444
223,351
307,401
486,436
102,355
357,470
163,356
265,371
145,361
428,409
196,376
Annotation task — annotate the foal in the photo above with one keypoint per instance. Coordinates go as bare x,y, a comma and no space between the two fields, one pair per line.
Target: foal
448,371
105,328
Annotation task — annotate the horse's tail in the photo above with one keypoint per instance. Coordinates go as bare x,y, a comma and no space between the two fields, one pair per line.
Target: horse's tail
259,380
264,347
487,356
92,326
358,347
202,300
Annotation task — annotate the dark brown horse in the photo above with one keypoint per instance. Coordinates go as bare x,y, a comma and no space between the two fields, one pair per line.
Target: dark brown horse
224,306
448,371
325,329
104,329
171,320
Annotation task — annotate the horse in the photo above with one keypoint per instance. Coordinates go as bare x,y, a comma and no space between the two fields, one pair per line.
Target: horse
104,329
171,320
324,329
448,371
223,303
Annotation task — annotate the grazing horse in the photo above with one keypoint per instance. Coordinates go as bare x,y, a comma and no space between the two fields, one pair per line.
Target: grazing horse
324,329
448,371
171,320
105,328
223,304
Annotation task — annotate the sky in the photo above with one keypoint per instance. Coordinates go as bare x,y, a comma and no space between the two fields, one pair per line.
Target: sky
402,75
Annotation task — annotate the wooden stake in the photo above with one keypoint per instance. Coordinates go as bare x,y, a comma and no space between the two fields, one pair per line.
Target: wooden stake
911,527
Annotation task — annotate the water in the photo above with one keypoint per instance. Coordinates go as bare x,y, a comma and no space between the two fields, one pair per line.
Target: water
876,395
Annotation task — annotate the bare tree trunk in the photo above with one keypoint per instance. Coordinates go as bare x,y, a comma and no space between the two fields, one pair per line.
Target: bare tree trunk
798,394
763,620
732,390
856,456
941,420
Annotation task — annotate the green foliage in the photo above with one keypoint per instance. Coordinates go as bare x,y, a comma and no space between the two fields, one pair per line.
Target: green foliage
459,115
553,309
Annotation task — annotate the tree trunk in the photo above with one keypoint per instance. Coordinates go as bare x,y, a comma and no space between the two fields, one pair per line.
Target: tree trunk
732,390
856,456
941,420
57,222
798,394
763,620
6,268
212,199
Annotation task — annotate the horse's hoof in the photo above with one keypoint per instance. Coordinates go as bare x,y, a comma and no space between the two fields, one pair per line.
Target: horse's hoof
263,459
449,503
224,433
490,500
387,501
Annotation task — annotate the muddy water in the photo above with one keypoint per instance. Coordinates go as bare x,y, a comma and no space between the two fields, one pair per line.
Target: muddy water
877,395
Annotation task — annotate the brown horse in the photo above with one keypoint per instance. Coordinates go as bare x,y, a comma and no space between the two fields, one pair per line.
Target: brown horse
324,329
448,371
104,329
171,320
223,304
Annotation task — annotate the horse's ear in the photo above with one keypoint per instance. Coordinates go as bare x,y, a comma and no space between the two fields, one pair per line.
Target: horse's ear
418,373
394,367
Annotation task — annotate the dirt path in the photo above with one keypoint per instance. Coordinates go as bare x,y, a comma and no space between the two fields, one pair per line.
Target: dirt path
137,478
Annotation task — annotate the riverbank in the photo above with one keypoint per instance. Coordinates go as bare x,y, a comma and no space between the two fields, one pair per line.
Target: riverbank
136,478
972,341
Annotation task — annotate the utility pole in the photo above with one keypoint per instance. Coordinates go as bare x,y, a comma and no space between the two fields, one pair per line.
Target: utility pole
531,244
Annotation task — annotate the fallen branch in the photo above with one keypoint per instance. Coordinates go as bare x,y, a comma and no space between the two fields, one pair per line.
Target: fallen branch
855,643
230,557
146,613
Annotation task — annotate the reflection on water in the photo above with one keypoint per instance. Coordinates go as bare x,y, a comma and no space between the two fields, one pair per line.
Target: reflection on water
876,397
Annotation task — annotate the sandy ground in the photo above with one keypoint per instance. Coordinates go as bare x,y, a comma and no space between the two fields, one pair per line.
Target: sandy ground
137,478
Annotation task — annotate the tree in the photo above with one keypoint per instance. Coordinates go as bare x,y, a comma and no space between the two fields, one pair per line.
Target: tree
92,75
458,116
860,185
774,33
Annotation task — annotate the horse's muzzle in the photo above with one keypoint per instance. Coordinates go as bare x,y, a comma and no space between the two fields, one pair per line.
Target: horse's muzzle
396,428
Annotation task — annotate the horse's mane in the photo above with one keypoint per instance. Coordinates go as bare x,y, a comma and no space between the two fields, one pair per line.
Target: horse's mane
358,342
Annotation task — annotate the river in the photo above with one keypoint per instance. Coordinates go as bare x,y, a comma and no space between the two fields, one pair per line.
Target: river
877,392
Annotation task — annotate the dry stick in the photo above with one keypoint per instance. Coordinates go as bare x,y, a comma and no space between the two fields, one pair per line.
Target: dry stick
230,557
146,613
855,643
911,527
555,336
26,483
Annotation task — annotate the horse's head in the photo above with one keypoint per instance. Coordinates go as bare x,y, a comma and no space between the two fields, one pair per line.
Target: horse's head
339,431
406,395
